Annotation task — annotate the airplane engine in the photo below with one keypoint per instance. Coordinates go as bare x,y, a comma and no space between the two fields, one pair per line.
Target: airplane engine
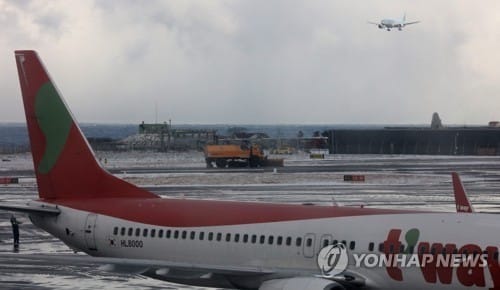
380,26
301,283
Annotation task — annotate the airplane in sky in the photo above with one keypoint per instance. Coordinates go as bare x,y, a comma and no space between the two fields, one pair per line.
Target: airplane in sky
227,244
393,23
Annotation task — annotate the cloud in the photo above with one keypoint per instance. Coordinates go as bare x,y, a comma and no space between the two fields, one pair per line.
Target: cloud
259,61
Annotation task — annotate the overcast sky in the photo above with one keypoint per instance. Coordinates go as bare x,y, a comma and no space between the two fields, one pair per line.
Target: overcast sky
259,62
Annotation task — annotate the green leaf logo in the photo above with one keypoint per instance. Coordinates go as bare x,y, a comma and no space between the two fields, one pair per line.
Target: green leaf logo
411,238
55,122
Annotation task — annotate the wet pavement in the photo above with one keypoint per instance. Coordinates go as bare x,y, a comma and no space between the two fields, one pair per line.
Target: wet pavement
390,182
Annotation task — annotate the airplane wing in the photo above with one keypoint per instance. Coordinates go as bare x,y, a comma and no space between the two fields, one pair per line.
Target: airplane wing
30,208
375,23
462,201
413,22
266,278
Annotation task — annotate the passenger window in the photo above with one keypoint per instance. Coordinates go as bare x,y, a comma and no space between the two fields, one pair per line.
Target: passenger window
254,239
298,242
245,238
184,235
262,239
219,237
344,242
160,234
167,234
122,231
137,232
381,247
115,231
228,237
202,236
433,250
411,249
325,242
153,233
130,232
371,246
309,243
210,236
176,234
288,241
279,241
334,242
192,235
145,232
391,248
270,240
352,245
402,248
236,238
495,256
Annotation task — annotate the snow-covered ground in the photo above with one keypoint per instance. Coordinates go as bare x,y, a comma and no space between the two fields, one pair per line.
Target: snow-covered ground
20,161
148,159
416,182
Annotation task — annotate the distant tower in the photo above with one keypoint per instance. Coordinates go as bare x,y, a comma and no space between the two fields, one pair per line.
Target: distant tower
436,121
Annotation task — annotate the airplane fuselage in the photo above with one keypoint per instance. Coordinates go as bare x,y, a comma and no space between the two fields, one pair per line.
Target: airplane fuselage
391,23
291,246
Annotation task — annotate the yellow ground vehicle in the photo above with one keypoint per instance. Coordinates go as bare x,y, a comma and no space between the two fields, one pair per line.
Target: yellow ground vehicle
231,155
283,150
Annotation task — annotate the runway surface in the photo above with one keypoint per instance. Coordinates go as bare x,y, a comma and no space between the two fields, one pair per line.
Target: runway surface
391,182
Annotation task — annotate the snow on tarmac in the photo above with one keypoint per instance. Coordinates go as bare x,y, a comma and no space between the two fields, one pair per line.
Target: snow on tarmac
421,182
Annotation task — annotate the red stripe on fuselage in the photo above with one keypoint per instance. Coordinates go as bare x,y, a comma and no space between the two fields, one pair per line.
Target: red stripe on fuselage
199,213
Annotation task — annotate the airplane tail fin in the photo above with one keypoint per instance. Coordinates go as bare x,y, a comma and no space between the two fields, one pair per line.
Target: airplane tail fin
462,202
404,18
65,165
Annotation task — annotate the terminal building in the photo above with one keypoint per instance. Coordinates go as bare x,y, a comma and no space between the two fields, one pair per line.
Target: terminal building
427,141
434,140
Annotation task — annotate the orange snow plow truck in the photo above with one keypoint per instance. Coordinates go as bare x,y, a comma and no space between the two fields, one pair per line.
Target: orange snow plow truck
231,155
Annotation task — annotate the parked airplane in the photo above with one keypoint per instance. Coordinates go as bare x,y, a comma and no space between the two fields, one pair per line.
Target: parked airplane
393,23
245,245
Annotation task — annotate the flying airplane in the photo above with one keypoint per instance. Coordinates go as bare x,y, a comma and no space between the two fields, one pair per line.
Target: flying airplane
393,23
227,244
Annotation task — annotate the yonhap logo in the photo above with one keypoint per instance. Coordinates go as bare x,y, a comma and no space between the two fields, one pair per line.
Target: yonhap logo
333,260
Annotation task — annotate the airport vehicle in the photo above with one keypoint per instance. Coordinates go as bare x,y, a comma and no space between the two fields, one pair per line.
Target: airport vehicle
283,150
232,155
224,244
388,24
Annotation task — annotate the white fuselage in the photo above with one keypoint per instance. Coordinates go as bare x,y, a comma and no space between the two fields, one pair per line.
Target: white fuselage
287,245
390,23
